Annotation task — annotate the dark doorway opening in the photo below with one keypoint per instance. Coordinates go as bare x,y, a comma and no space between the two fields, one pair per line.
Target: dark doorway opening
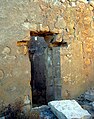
37,45
39,42
38,81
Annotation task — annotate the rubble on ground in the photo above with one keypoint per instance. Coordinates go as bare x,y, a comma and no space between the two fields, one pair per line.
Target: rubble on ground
68,109
80,108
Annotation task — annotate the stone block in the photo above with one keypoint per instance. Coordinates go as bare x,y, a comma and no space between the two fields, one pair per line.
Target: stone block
2,117
59,22
89,95
68,109
92,105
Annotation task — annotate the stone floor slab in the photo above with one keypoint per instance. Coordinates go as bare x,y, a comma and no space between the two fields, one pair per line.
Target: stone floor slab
68,109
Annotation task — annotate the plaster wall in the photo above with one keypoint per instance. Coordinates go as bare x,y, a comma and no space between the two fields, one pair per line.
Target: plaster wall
72,19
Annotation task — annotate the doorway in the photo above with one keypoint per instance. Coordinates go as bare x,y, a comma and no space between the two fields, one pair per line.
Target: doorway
43,59
37,47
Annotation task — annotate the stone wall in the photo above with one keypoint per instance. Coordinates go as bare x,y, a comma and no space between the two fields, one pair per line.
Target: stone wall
72,19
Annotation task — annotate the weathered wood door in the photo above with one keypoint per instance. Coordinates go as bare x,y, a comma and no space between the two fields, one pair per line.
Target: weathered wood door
38,81
53,74
45,71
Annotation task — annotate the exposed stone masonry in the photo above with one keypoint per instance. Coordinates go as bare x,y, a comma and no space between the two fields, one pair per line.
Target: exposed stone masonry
73,20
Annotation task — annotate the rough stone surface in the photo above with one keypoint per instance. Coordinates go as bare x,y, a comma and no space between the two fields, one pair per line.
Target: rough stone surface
93,105
87,103
68,109
89,95
44,112
2,117
73,19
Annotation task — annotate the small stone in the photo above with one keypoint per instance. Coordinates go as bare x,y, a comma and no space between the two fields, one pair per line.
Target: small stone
6,50
81,5
43,7
1,74
41,26
59,37
47,117
92,24
9,58
87,20
55,30
44,107
68,109
46,28
2,117
25,51
33,27
60,23
89,95
87,61
92,105
90,8
73,4
13,88
19,50
30,26
86,107
26,25
27,100
92,3
62,0
84,1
